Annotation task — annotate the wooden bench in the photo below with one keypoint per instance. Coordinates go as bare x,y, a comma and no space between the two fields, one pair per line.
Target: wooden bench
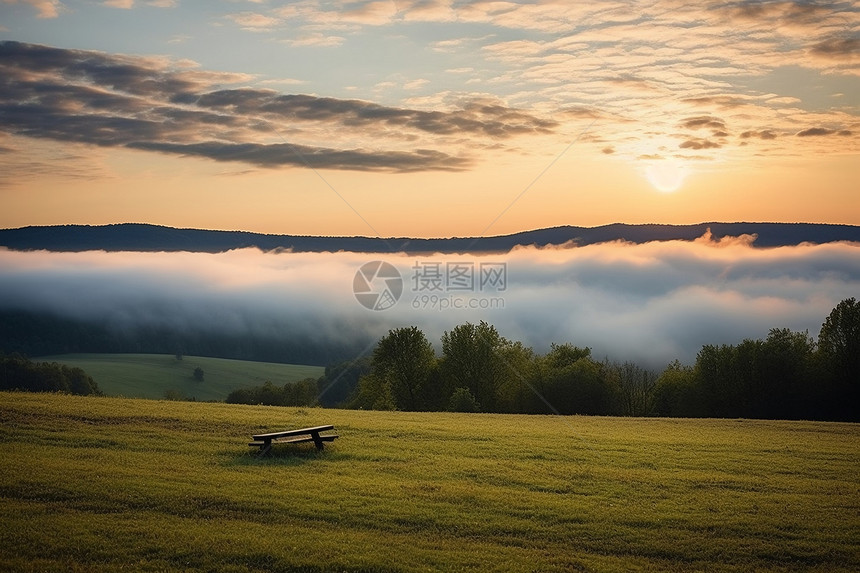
304,435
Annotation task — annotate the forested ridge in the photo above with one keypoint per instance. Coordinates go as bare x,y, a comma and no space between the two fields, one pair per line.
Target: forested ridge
143,237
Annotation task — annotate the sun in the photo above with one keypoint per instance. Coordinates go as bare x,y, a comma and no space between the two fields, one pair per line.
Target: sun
666,175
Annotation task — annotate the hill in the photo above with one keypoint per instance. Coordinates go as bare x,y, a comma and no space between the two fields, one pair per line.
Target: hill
142,237
102,484
151,375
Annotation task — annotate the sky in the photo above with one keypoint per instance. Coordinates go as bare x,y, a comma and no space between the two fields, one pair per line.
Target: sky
428,118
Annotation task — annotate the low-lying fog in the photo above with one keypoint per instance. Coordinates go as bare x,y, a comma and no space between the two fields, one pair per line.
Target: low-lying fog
648,303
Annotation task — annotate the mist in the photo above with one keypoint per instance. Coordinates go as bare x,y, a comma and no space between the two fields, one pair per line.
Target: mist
649,303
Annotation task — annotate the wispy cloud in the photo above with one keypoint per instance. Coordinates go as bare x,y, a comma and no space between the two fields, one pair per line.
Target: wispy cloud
821,131
254,22
415,84
122,4
475,117
44,8
317,39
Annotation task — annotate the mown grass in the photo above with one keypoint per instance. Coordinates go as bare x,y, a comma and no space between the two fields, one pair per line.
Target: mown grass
99,484
151,375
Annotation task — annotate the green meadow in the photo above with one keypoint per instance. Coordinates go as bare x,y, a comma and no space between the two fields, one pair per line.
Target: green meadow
151,375
103,484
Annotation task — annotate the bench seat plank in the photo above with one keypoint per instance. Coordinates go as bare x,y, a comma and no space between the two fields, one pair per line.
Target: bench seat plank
273,435
301,440
294,441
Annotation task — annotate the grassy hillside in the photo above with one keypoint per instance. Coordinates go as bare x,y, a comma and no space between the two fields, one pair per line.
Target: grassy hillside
150,375
93,484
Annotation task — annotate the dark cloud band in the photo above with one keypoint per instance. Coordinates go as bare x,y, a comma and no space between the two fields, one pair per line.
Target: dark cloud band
152,104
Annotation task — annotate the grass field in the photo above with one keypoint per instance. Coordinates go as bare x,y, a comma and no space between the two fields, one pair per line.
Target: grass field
99,484
150,375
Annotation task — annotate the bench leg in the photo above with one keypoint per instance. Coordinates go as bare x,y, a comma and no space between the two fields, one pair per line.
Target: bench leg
264,449
317,441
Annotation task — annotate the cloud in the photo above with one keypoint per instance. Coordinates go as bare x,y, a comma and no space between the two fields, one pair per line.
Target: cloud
650,62
724,101
156,104
316,39
699,144
416,84
766,13
763,134
837,48
640,65
375,13
319,158
786,100
650,303
44,8
821,131
254,22
703,121
475,116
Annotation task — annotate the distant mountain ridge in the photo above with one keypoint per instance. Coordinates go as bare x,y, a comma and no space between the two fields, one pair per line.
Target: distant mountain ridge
153,238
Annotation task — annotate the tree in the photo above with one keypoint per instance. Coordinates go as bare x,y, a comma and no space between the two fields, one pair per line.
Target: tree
174,395
339,383
198,374
373,393
677,393
404,358
569,381
561,355
758,378
581,387
839,349
470,360
300,393
516,392
783,387
636,388
268,394
840,335
463,401
716,373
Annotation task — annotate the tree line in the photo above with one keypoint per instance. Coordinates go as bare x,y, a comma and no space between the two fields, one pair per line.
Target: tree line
787,375
301,393
20,373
